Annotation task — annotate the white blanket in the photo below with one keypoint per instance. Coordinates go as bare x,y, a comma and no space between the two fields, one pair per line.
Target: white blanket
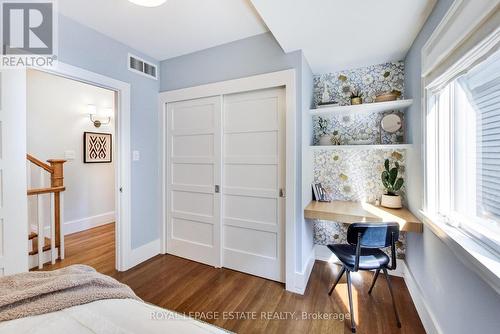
110,316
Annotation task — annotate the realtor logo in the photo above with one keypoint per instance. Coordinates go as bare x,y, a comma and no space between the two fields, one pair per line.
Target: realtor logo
28,33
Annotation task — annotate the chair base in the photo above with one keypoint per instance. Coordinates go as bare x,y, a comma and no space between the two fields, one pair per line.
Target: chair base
349,290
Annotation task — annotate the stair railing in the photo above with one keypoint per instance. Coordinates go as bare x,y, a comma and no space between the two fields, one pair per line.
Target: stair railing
55,191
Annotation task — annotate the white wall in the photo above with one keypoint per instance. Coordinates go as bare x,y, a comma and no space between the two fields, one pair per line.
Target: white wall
56,121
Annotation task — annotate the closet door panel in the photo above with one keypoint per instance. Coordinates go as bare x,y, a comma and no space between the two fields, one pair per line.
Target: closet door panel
253,156
193,206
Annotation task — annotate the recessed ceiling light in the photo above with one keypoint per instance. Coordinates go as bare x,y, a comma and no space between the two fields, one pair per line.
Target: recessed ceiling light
148,3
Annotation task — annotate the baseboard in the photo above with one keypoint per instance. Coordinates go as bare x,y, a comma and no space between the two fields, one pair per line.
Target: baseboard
79,225
83,224
143,253
324,254
302,278
426,316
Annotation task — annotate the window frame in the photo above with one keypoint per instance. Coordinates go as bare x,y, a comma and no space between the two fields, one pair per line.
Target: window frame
473,57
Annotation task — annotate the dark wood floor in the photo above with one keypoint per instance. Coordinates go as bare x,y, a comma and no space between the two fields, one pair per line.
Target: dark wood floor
185,286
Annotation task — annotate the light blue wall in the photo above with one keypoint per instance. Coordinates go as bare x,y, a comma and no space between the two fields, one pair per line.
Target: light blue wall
460,301
246,57
83,47
250,56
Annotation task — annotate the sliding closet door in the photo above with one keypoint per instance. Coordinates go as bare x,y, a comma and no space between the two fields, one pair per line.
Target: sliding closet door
193,204
254,173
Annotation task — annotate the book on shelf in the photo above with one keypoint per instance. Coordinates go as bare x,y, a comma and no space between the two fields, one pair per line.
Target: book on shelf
319,193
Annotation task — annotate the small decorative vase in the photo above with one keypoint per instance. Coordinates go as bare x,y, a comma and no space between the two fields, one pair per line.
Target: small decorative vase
356,100
391,201
325,140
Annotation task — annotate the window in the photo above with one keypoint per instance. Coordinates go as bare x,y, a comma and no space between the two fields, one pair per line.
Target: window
463,150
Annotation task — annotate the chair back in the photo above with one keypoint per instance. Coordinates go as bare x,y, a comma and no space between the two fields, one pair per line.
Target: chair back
373,235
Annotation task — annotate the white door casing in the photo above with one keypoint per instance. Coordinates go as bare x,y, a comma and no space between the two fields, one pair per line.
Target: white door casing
13,198
193,204
253,180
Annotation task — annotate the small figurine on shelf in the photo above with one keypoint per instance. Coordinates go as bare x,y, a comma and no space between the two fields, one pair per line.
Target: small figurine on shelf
336,139
356,97
325,97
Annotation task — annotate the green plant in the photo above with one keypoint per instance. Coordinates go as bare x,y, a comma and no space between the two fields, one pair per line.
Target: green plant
323,125
390,178
356,93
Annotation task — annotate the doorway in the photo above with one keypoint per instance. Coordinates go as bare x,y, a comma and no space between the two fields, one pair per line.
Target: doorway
73,123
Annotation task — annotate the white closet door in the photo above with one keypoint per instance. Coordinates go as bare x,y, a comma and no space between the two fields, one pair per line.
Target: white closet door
254,173
193,205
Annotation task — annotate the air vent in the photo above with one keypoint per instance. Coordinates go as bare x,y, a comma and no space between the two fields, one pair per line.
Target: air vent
138,65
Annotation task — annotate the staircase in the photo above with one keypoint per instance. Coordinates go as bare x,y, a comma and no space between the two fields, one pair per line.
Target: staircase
53,243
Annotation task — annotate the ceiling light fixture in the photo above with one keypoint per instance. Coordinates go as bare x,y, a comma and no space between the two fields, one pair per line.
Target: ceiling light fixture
148,3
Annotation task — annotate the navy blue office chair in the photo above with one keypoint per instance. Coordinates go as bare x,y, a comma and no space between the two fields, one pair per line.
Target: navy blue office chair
363,253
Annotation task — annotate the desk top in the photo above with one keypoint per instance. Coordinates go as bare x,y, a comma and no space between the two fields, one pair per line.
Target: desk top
356,212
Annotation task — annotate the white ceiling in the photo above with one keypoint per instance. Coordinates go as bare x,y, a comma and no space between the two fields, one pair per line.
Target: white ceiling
334,34
176,28
344,34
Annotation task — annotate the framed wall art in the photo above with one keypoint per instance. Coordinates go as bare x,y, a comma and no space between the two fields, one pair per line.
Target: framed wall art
97,147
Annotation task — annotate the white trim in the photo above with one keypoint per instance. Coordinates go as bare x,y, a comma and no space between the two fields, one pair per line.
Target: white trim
143,253
302,278
83,224
323,253
472,254
424,312
270,80
459,22
123,167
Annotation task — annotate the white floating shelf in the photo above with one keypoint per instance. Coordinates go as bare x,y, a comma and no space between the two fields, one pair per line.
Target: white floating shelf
363,108
362,147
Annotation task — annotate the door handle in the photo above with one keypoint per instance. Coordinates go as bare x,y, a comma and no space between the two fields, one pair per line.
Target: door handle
282,193
217,189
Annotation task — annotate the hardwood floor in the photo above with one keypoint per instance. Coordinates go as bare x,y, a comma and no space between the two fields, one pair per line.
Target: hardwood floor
188,287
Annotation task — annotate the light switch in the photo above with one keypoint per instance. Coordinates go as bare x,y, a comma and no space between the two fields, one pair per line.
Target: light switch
69,155
136,156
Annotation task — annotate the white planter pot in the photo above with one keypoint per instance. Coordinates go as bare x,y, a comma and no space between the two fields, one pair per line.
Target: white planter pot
391,201
325,140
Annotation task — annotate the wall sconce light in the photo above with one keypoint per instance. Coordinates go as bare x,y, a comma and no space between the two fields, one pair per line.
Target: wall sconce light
92,111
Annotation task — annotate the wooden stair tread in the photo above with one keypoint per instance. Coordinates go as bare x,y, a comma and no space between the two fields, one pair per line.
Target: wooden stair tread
45,248
32,235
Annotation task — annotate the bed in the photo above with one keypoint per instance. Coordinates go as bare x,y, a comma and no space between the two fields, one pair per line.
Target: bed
83,308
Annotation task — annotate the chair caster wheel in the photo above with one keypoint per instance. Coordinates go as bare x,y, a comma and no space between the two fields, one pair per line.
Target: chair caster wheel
353,330
399,325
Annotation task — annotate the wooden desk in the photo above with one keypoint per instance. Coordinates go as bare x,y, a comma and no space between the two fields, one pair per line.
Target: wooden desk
356,212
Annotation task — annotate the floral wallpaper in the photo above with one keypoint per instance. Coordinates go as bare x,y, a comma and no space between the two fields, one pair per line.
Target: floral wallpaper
359,128
370,80
352,174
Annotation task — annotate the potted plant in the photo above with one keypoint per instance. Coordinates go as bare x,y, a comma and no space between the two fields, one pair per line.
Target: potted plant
356,97
324,137
392,184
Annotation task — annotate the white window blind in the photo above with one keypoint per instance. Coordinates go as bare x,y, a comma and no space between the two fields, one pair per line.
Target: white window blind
482,84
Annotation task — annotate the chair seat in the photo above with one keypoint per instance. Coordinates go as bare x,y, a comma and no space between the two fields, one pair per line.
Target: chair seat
371,258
